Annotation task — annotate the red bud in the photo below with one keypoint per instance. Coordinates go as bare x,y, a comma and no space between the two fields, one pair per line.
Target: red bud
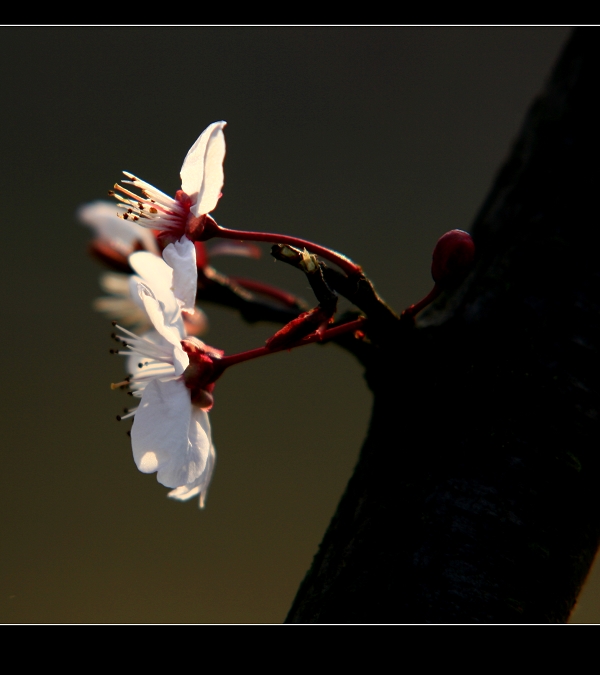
452,258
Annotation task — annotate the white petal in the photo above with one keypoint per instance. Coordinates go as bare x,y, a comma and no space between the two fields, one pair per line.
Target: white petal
152,269
173,333
181,257
184,492
200,485
168,303
115,283
165,437
133,282
122,234
199,431
202,171
158,276
208,472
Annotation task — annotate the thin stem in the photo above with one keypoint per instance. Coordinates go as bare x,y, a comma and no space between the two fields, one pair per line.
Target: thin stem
330,334
273,292
220,289
339,259
411,311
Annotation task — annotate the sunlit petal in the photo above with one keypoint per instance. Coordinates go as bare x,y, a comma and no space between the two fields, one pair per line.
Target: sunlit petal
202,171
160,435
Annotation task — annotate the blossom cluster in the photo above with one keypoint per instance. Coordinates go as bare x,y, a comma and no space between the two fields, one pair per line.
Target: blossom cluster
154,293
155,248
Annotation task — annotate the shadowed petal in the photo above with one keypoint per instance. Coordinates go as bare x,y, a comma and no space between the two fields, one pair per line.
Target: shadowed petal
167,437
171,333
156,274
200,485
181,257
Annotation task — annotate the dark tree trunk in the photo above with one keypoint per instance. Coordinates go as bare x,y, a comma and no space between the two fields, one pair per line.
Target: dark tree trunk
476,497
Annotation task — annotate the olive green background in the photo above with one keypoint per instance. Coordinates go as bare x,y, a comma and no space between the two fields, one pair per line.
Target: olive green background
373,141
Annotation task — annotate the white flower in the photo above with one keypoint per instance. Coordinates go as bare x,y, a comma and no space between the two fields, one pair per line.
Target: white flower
201,182
170,435
172,277
123,302
120,235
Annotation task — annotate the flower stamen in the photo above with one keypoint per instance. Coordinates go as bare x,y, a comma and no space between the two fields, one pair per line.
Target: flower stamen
158,210
130,413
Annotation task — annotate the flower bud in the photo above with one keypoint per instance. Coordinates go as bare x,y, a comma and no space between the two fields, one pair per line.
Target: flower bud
452,258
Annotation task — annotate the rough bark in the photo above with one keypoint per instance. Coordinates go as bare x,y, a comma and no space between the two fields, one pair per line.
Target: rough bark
476,497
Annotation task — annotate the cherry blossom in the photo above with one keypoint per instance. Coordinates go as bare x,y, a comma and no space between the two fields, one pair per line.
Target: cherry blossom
123,302
201,182
171,433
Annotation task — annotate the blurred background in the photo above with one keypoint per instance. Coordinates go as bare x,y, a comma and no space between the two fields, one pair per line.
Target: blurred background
373,141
